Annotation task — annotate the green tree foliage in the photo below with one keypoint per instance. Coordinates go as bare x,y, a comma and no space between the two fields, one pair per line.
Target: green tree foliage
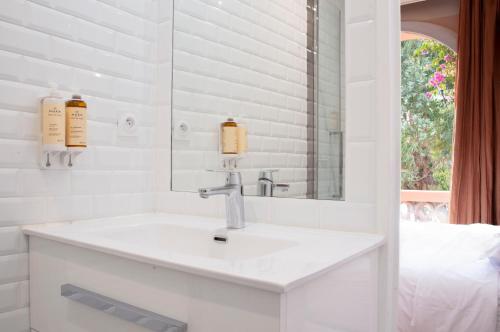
427,110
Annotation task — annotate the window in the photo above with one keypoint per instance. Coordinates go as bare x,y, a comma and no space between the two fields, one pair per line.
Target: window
427,111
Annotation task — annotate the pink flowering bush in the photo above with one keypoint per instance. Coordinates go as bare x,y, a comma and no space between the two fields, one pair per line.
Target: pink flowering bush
441,65
437,79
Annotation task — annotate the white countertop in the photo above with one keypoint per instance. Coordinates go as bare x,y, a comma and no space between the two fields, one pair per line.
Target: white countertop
312,251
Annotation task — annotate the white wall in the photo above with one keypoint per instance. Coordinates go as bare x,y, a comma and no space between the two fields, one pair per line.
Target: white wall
107,51
69,41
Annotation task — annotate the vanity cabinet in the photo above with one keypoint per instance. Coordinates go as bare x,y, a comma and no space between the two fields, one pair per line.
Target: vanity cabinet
341,299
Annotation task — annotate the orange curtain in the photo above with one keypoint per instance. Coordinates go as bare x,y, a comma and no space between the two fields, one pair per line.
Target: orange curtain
475,193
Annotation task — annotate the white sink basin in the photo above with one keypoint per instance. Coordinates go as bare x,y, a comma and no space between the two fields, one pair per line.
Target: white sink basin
194,241
274,258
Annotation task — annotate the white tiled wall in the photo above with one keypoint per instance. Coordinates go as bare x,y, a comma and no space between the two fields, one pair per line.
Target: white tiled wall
245,59
108,52
69,42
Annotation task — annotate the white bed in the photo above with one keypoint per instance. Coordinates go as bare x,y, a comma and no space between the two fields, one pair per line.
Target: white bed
447,283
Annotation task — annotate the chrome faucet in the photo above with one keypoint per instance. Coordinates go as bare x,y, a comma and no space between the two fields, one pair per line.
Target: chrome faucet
266,185
233,190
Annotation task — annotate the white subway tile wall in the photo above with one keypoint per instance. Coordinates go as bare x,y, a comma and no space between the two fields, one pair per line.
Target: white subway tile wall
162,139
108,52
361,122
248,60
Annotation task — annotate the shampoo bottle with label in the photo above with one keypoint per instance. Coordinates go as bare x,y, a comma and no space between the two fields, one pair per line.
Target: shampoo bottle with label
53,122
76,122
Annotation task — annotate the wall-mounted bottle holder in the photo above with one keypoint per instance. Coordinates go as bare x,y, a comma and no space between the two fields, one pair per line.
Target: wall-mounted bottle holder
229,161
55,114
51,158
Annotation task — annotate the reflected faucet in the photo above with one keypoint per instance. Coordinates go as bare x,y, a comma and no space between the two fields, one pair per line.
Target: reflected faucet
233,190
266,185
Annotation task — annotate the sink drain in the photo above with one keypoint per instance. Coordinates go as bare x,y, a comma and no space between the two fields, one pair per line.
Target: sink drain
220,239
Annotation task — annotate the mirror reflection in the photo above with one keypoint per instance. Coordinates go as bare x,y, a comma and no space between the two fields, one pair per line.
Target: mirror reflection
258,88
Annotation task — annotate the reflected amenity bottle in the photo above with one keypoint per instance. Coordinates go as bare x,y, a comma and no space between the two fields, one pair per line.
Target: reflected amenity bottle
229,137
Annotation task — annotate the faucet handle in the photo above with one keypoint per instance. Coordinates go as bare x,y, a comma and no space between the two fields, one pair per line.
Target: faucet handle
267,173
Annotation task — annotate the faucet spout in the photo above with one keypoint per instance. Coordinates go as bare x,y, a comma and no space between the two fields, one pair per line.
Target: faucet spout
233,192
212,191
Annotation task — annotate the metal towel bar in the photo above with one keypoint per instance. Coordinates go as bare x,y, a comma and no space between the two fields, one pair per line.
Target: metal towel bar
141,317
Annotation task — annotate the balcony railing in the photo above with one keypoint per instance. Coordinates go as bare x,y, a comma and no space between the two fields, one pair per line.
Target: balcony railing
425,205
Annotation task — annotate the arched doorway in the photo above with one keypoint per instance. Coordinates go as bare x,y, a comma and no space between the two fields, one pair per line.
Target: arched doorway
418,30
427,114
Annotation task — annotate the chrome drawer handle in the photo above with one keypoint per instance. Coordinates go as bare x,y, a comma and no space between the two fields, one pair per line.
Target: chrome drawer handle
147,319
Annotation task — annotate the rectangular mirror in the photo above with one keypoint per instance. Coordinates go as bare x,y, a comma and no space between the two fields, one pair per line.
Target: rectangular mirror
276,70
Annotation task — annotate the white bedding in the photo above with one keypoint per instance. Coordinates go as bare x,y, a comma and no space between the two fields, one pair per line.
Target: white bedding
447,283
498,310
